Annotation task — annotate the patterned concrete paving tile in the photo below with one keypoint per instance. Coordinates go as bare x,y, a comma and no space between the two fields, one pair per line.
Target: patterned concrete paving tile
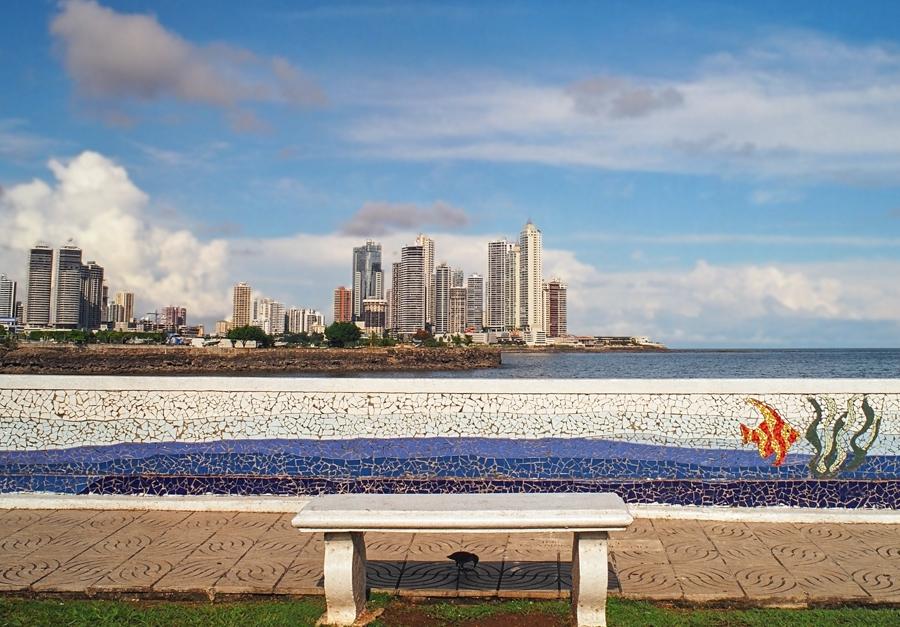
774,534
726,531
690,550
302,578
741,554
881,584
540,548
530,580
143,569
14,520
669,531
707,580
202,568
384,575
260,569
793,555
640,528
482,581
487,546
429,578
433,546
825,583
81,572
650,581
388,546
41,532
768,583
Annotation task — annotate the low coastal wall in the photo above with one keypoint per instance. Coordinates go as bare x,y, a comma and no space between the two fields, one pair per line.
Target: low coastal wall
804,442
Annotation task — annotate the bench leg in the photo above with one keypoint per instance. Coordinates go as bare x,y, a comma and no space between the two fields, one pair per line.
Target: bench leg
589,578
345,577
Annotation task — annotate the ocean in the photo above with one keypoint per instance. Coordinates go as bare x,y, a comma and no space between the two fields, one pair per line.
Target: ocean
690,364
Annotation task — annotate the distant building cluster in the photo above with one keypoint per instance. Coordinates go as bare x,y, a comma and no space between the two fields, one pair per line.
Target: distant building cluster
65,293
512,302
269,315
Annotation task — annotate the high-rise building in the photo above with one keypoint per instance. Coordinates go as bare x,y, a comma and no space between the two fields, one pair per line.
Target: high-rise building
40,283
413,285
222,328
90,315
475,303
374,314
458,312
531,279
174,317
458,278
7,297
368,278
240,310
501,299
427,245
67,281
104,305
125,301
442,282
302,320
389,309
269,315
396,291
343,304
555,308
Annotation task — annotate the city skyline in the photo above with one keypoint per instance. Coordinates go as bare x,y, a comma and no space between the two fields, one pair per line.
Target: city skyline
707,174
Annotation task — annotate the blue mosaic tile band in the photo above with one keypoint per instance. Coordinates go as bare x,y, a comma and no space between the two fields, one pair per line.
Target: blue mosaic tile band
641,473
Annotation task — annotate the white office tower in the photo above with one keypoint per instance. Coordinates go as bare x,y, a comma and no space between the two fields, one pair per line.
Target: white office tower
40,282
427,245
531,279
443,278
413,284
67,308
394,296
475,303
368,278
458,312
502,286
269,315
7,297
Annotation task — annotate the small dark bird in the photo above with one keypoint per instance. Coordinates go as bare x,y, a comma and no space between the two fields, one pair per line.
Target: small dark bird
464,560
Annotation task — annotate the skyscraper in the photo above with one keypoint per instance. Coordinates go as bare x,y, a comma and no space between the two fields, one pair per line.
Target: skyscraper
124,308
91,296
413,282
555,308
502,286
475,303
343,304
240,311
427,245
458,279
40,282
7,297
442,282
174,317
458,317
395,291
368,278
68,279
531,279
374,311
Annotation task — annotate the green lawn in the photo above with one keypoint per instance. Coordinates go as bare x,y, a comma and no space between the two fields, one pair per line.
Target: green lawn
402,613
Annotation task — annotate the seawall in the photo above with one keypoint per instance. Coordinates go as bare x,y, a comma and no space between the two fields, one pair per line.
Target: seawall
739,443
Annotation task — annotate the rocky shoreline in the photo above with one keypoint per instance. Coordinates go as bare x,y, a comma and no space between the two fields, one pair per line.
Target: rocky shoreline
176,360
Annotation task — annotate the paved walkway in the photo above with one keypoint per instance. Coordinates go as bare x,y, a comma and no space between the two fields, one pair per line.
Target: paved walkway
207,554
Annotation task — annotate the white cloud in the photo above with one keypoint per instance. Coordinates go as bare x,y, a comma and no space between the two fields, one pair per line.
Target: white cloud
93,200
115,56
798,105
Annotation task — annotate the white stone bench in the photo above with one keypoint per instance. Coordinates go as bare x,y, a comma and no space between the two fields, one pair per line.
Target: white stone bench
344,519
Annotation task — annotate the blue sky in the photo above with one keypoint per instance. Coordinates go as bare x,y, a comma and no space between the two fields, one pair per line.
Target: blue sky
704,173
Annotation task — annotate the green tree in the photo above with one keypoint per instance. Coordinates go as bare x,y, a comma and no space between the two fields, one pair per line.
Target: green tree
342,334
251,333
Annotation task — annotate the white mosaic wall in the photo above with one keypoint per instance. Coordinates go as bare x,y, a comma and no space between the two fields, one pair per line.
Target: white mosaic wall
47,412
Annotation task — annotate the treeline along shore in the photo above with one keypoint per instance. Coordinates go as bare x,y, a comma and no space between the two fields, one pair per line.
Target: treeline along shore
180,360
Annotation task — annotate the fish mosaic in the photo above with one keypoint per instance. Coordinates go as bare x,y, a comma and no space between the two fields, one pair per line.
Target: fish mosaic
841,439
773,436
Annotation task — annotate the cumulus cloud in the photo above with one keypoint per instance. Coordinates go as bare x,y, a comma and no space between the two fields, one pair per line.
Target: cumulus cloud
797,105
94,202
380,218
132,57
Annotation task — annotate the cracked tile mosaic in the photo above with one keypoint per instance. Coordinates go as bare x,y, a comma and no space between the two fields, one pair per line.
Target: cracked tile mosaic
812,450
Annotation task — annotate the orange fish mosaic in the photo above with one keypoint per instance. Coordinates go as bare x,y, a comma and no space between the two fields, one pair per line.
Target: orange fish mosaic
772,436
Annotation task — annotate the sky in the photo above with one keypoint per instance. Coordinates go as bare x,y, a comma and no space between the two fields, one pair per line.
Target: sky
709,174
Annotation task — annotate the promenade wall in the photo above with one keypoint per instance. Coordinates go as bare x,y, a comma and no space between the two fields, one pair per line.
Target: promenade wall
804,442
